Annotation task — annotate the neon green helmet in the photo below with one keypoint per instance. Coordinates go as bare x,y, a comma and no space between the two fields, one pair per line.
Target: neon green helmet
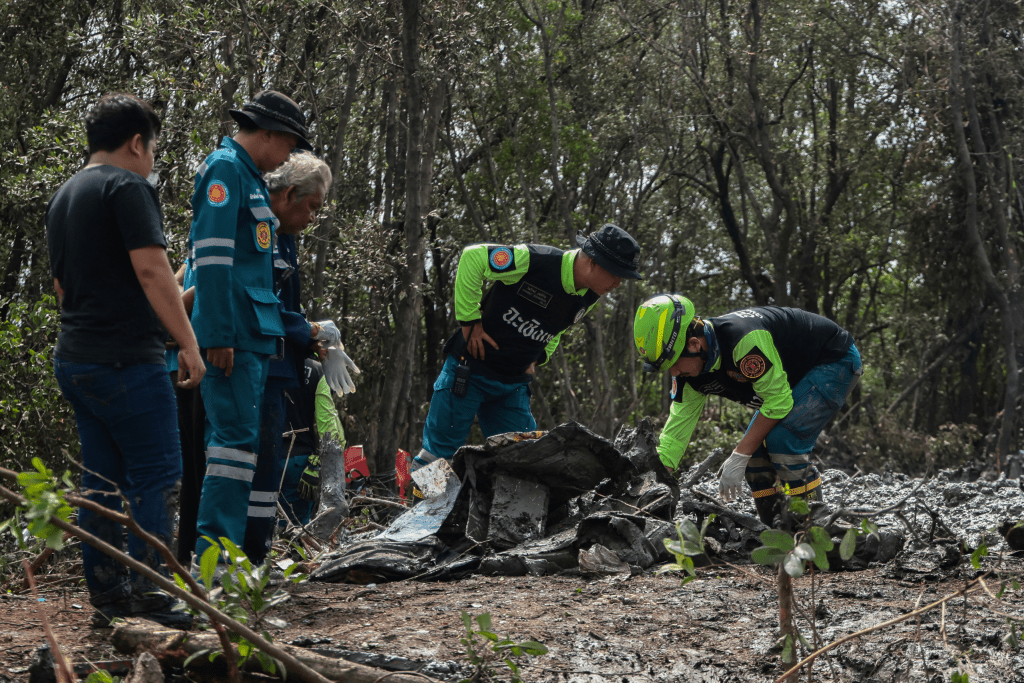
659,329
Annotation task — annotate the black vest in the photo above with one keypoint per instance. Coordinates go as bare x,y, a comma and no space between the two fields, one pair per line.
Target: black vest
803,340
524,316
717,383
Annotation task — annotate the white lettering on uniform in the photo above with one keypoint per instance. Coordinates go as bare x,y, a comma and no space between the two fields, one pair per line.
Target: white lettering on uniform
745,313
531,329
257,195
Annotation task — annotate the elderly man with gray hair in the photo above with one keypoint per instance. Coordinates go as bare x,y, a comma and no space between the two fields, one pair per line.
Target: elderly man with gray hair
298,188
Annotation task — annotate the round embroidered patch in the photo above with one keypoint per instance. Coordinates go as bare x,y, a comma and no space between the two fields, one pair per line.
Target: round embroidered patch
263,234
217,194
675,388
501,258
752,366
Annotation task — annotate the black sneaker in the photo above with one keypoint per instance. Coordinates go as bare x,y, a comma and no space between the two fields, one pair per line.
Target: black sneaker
104,614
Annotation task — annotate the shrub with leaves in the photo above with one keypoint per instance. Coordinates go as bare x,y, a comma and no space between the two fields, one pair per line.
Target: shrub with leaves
485,649
245,594
689,545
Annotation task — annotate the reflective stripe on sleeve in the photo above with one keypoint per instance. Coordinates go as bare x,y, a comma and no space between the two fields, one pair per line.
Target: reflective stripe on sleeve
262,512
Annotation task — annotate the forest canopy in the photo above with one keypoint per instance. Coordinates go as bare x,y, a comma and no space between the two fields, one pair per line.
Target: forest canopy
856,160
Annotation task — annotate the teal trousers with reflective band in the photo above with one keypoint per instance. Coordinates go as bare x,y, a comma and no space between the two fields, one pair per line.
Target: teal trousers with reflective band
785,454
500,407
262,514
232,442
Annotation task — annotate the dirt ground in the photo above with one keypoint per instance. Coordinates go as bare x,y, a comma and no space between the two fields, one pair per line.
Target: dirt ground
647,628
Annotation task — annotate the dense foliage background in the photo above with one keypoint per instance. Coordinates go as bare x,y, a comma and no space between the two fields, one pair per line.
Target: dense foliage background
857,159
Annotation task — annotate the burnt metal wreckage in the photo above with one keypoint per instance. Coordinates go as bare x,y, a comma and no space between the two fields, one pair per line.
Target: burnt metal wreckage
563,502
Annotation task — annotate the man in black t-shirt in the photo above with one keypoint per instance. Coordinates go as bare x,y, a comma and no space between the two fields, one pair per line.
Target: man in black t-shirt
104,233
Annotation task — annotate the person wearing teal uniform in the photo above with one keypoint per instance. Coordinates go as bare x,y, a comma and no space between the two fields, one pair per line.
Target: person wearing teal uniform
235,314
793,367
538,292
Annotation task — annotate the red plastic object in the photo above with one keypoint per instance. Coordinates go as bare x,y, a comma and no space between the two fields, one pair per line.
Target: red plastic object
355,464
402,471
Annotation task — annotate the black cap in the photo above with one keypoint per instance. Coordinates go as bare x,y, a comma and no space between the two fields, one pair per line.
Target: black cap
271,110
613,249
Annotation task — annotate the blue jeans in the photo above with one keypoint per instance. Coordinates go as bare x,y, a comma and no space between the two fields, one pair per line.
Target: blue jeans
128,427
501,408
816,399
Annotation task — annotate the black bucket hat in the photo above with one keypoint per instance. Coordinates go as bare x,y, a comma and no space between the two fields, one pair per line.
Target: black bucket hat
271,110
613,249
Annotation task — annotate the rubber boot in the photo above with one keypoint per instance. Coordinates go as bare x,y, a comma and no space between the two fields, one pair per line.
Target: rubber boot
768,508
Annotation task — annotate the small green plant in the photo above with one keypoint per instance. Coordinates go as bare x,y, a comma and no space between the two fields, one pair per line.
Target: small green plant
101,676
959,677
45,499
485,649
689,545
245,595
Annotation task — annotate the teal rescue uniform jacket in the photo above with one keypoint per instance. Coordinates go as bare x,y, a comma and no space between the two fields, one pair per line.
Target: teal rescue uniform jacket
231,250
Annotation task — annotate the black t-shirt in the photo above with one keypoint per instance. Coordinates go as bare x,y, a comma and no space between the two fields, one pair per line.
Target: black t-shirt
92,222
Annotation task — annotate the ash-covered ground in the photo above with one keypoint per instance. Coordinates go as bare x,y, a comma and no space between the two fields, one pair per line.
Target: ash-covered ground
719,628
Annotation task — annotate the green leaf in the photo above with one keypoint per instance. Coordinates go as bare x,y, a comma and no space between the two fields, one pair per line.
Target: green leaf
195,655
777,539
484,620
793,566
99,676
768,555
787,650
208,565
848,544
799,506
533,648
868,527
979,552
266,662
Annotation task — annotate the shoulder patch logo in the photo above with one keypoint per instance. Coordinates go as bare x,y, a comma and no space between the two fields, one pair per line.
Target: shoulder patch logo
501,258
753,365
217,194
263,234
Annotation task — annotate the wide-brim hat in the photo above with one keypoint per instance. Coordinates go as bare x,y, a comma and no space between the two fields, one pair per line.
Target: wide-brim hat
271,110
613,249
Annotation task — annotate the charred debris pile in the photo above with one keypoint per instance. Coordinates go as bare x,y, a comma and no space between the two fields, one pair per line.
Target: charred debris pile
571,502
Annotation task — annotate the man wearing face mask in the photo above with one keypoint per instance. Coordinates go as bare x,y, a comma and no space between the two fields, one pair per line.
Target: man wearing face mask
538,292
298,189
235,314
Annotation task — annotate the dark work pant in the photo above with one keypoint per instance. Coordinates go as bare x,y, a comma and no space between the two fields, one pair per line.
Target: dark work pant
191,424
266,482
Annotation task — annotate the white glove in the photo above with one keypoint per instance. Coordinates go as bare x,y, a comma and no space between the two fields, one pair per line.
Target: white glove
328,333
336,369
730,477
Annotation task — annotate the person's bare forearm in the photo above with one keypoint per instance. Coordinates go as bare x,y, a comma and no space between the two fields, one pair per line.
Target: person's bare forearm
756,434
157,280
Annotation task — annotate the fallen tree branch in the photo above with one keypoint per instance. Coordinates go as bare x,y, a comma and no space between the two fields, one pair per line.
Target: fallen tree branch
702,468
864,513
292,664
135,634
366,500
971,587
